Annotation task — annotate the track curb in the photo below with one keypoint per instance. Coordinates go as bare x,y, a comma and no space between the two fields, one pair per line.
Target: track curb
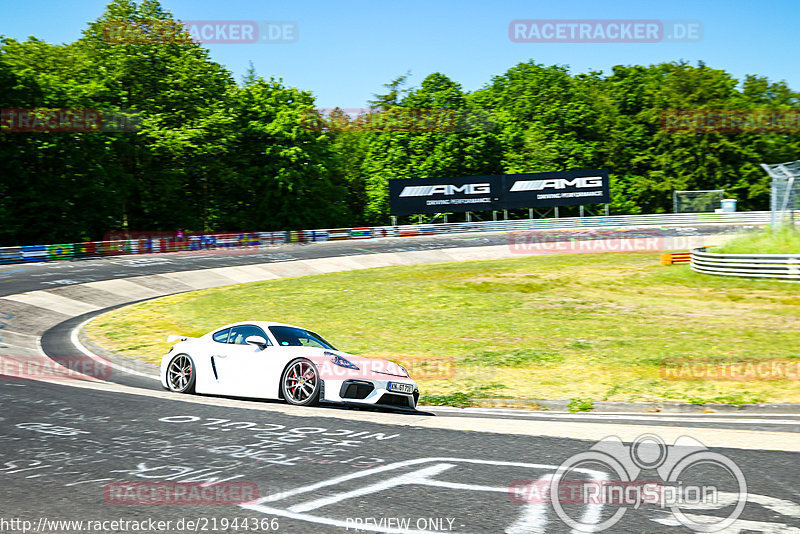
562,405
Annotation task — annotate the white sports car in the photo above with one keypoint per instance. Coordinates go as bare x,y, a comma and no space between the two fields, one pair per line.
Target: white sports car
280,361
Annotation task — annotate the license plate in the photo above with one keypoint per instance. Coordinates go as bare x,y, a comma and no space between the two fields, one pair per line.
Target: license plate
401,388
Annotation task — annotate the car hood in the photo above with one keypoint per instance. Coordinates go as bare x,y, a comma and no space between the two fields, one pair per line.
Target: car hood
376,368
376,365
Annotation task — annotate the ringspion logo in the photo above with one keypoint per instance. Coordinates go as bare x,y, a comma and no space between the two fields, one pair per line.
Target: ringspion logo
682,488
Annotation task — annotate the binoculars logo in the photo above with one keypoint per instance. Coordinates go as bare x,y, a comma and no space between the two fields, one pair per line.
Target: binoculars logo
677,466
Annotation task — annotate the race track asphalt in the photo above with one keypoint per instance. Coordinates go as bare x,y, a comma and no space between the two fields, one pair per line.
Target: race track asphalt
96,451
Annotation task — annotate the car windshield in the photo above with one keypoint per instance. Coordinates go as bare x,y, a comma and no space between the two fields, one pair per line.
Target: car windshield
287,336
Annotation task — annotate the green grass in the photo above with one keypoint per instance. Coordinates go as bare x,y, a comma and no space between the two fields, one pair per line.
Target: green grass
584,326
783,241
580,405
512,358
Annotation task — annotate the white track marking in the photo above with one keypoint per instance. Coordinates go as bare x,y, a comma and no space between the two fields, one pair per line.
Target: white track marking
737,527
78,345
534,519
534,515
641,417
522,411
419,476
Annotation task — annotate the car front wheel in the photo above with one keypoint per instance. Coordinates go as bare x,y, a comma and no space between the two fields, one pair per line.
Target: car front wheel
300,383
181,374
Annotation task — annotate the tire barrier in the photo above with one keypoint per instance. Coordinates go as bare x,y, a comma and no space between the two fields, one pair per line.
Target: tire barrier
200,242
780,266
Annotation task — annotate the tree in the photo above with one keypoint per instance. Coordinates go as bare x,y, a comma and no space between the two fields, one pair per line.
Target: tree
434,135
393,96
280,170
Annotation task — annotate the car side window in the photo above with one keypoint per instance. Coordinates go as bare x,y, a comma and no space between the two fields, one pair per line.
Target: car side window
288,336
240,333
221,336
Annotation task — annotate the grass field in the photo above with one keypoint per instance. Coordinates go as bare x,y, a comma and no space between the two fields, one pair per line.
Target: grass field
584,327
783,241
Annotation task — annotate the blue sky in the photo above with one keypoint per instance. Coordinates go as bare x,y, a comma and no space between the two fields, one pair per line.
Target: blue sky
347,49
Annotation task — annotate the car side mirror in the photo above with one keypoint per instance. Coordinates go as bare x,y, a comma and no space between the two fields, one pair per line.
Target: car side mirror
258,341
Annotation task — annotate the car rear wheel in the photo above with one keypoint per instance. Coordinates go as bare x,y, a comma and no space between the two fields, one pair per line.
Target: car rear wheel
300,383
181,374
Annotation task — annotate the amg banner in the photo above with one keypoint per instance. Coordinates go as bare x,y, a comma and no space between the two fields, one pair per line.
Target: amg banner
485,193
545,189
442,195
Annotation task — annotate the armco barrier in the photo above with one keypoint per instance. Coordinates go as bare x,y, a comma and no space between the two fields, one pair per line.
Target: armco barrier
34,253
37,253
781,266
361,233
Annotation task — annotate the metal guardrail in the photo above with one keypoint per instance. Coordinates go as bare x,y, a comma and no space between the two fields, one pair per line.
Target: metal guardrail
781,266
222,241
749,217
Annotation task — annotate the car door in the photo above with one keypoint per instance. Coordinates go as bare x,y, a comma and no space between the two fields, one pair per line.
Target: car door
246,370
214,352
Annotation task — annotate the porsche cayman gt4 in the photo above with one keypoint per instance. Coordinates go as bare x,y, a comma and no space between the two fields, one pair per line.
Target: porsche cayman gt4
279,361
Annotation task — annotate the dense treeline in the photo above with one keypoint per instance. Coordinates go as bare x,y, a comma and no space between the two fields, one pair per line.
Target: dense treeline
214,154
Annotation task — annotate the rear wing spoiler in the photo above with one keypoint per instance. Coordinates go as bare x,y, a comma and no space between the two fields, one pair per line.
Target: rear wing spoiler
174,337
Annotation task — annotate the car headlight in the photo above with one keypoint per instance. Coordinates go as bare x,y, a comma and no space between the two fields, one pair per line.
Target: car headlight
341,362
